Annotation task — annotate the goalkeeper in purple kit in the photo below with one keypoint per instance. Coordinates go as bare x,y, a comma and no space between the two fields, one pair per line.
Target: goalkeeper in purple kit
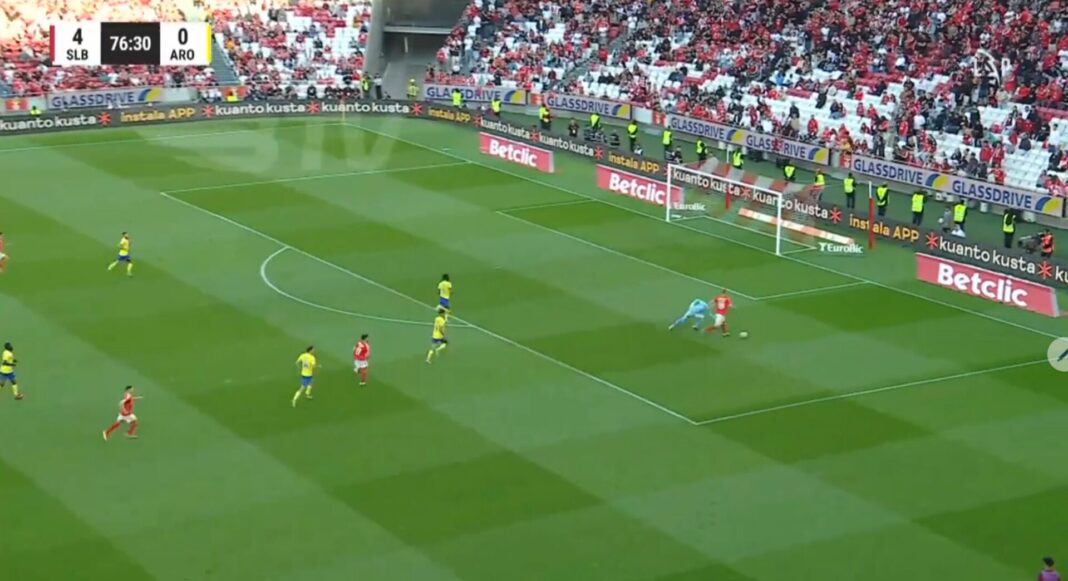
697,311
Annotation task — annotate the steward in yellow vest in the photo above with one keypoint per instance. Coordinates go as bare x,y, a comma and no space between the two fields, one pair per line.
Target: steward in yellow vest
1008,226
850,187
918,199
632,135
737,159
882,199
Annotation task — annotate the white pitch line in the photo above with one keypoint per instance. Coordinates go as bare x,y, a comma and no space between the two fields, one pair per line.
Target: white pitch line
799,250
811,291
271,285
163,137
853,394
627,256
546,205
794,259
325,176
400,294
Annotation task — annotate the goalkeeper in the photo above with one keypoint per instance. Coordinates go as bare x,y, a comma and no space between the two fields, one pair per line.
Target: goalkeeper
697,311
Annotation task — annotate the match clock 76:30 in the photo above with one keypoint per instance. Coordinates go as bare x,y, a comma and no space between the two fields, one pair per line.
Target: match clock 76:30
129,43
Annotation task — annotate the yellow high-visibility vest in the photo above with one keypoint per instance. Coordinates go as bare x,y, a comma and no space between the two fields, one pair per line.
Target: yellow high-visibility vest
882,195
1008,223
736,159
821,180
960,211
666,139
850,185
917,201
789,171
496,105
632,129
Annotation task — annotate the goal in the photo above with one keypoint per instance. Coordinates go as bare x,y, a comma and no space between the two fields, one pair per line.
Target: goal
785,219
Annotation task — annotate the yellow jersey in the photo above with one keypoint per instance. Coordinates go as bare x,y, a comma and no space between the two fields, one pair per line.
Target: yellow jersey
439,327
445,289
124,246
307,364
7,362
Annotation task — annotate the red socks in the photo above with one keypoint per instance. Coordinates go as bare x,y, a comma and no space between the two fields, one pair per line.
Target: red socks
133,428
113,427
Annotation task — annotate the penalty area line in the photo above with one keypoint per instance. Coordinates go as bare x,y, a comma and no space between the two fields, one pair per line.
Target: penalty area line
625,255
324,176
863,392
395,292
811,291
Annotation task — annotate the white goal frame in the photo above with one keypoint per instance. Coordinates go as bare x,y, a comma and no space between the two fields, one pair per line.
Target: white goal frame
707,181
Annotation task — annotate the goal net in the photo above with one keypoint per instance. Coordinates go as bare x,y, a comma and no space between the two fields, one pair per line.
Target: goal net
783,219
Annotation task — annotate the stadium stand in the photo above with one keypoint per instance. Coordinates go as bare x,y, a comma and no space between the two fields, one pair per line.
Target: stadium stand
289,46
973,88
24,47
274,44
533,44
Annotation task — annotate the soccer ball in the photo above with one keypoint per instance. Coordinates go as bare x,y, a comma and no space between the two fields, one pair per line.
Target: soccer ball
743,335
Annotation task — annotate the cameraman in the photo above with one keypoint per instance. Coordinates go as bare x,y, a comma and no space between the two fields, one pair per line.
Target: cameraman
613,140
1046,243
573,129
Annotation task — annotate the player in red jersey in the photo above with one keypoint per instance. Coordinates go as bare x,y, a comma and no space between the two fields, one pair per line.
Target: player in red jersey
3,255
126,414
362,356
722,305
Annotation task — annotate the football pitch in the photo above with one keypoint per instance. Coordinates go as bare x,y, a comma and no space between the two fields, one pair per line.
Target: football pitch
871,426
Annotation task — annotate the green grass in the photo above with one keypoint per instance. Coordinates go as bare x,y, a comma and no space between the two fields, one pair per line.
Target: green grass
564,435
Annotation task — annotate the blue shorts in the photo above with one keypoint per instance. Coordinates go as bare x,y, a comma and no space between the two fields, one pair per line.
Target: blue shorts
438,341
444,302
126,258
305,381
8,377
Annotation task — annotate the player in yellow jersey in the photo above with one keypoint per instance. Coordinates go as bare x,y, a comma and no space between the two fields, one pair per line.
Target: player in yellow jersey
307,364
7,370
438,342
124,255
445,293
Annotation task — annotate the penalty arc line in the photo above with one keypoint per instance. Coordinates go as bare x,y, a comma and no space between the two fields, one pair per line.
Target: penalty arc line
790,258
852,394
271,285
393,291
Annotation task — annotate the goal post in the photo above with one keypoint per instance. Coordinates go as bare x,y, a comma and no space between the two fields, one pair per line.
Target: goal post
716,192
704,194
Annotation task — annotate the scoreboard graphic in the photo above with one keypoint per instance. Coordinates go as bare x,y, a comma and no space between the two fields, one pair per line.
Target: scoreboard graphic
130,43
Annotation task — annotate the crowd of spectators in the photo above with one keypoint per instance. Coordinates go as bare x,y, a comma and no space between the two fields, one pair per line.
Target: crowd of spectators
24,46
533,44
274,44
950,84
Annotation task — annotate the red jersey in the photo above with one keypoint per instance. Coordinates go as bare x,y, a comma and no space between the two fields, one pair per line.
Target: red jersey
127,404
723,304
362,351
1,244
